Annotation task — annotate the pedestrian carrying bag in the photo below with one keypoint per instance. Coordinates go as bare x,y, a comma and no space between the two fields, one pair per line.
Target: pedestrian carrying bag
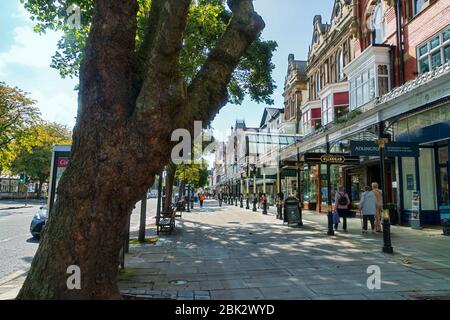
336,218
342,200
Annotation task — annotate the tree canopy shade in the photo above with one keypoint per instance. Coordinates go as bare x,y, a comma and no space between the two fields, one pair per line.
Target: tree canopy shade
206,22
134,92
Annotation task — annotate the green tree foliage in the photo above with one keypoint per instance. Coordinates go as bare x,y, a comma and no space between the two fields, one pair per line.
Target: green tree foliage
206,23
194,174
33,157
17,115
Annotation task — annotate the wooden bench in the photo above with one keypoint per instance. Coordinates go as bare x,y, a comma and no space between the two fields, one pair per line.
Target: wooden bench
166,221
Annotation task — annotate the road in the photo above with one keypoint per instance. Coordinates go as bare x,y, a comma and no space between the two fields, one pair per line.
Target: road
17,246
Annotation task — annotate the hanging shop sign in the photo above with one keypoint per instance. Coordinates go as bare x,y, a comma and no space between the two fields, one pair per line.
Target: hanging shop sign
331,158
393,149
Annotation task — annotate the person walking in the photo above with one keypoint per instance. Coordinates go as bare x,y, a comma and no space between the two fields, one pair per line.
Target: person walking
368,206
220,197
342,204
379,197
202,198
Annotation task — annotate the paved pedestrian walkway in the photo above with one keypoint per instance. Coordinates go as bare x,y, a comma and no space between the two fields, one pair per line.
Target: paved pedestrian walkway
233,253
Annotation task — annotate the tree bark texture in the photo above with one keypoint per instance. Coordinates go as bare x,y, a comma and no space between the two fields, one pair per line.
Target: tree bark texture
127,112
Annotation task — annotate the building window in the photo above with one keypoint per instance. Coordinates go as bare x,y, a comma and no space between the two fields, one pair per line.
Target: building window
418,6
327,110
377,24
370,83
339,66
318,87
293,108
434,52
383,81
306,122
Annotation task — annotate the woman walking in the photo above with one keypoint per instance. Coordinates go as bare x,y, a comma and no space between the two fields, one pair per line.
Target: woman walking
368,205
342,203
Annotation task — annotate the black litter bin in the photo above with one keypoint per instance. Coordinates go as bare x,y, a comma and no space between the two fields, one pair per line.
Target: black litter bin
292,213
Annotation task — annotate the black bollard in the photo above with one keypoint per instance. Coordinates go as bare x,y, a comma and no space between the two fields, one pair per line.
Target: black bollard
387,248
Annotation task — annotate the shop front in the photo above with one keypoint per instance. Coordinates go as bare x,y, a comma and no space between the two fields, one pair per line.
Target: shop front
428,174
315,181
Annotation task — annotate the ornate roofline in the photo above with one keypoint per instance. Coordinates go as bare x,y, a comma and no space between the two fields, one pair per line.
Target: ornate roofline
416,83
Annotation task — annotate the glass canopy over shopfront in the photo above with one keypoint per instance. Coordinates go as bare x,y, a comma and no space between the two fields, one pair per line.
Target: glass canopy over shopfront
263,148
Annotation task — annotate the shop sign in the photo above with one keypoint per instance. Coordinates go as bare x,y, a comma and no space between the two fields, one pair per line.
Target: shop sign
393,149
332,158
402,149
364,148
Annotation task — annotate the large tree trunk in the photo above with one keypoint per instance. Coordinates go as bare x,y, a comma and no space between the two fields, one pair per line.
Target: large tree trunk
121,139
87,226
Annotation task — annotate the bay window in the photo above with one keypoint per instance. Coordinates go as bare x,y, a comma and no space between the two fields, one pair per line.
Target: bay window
306,117
363,88
327,110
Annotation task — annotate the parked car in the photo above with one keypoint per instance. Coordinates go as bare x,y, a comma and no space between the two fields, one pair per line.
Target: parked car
152,194
38,222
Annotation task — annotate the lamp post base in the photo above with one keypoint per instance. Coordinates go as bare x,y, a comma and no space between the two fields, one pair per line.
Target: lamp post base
330,224
387,247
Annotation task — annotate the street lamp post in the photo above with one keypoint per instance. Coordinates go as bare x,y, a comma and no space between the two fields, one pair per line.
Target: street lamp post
188,198
241,195
387,246
329,202
236,194
299,191
254,188
248,193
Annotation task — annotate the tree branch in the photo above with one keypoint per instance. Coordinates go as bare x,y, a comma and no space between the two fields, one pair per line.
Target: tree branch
106,74
162,84
208,91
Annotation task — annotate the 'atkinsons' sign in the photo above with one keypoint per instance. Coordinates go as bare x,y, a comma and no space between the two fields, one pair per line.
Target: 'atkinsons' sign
392,149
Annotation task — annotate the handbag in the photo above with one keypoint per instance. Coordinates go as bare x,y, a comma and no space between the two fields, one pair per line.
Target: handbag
336,218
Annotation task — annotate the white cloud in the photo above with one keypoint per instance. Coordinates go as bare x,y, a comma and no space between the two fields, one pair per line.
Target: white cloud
29,49
26,64
60,107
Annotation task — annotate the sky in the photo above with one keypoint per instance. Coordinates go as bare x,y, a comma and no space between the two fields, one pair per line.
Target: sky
25,59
